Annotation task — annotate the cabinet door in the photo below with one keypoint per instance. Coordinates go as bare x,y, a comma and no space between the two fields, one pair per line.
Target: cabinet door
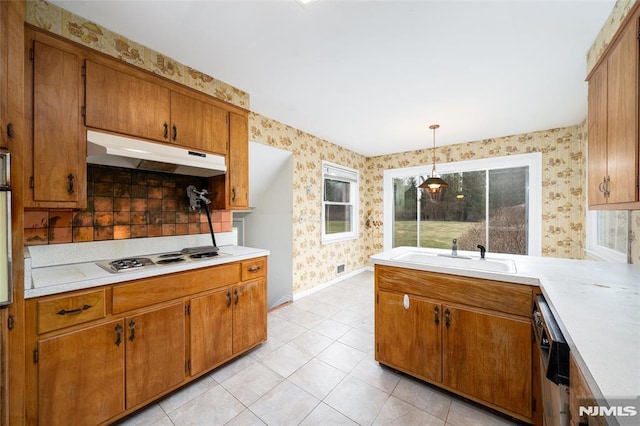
81,376
211,338
409,338
59,147
488,356
238,162
155,352
198,125
122,103
249,315
597,135
622,117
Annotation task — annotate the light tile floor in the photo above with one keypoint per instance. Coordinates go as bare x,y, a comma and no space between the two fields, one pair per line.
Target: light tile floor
317,368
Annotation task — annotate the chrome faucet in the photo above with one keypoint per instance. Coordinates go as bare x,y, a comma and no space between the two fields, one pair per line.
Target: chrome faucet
482,251
454,247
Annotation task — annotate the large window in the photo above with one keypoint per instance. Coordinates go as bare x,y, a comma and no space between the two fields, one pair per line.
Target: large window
339,202
494,202
608,235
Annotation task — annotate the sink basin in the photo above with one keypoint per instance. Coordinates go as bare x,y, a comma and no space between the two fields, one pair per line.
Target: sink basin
505,266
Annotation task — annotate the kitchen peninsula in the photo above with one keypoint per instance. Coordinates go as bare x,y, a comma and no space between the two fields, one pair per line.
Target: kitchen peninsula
587,298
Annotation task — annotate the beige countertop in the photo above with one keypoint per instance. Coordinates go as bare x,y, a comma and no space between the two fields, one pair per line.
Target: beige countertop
596,304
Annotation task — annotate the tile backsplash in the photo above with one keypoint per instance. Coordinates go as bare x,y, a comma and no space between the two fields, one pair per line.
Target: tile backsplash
123,204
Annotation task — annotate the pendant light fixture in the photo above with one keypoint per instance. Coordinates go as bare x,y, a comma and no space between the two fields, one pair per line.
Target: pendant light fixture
434,184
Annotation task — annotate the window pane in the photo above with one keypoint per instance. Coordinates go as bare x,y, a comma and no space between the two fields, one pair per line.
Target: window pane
613,230
337,218
405,212
459,213
508,210
336,191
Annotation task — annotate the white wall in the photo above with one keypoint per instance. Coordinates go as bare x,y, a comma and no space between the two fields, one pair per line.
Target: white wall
269,224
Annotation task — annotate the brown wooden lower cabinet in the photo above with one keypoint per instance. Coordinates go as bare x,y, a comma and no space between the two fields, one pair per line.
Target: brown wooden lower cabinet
81,375
444,330
99,368
155,356
488,355
581,395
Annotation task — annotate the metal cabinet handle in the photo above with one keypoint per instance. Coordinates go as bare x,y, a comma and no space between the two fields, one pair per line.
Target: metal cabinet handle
73,311
254,269
10,130
233,194
228,299
118,334
175,133
235,292
132,328
447,320
166,131
70,179
436,313
604,186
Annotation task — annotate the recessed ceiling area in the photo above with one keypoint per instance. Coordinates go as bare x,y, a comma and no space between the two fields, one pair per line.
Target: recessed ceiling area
371,76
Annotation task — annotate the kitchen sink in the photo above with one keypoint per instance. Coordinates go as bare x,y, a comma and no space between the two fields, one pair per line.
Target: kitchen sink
505,266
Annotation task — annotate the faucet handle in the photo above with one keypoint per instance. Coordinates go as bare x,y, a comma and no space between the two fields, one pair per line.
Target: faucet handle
482,250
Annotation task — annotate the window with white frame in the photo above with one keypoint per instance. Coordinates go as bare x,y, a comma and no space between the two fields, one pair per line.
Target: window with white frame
495,202
339,202
608,235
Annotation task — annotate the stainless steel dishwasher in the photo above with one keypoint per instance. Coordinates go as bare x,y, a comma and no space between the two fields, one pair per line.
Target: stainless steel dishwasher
554,365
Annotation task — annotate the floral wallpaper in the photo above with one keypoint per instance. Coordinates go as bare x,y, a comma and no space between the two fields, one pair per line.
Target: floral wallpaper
616,17
314,263
59,21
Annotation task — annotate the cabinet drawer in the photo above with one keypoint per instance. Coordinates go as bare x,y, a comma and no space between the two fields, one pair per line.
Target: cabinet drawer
54,314
494,295
254,268
149,291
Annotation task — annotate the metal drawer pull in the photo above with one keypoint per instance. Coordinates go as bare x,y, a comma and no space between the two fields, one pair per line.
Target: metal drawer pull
73,311
436,312
70,179
166,131
132,328
254,269
228,299
175,133
235,292
118,334
447,321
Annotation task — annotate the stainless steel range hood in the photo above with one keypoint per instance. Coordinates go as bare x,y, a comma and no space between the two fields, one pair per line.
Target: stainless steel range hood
121,151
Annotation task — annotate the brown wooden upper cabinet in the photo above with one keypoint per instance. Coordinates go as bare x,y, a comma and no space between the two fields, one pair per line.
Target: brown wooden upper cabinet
231,191
56,174
124,103
199,125
613,146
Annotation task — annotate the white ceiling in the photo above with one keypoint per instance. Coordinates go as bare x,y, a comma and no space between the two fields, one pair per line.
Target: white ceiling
371,76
